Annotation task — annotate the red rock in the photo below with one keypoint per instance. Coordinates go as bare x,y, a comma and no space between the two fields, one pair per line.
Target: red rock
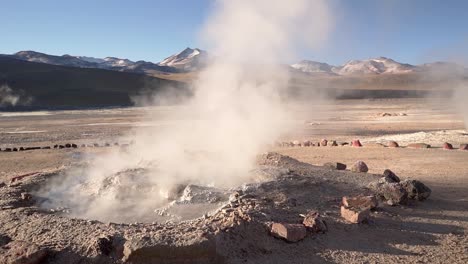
313,222
289,232
419,145
354,215
359,166
360,201
393,144
463,147
356,143
447,146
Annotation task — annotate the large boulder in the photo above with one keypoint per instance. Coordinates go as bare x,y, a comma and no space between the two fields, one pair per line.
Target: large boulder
391,193
416,190
288,232
359,166
355,215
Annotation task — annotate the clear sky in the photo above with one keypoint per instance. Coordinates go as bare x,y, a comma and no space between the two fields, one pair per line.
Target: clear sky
412,31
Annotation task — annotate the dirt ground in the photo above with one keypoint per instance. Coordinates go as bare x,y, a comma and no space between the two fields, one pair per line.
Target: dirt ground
433,231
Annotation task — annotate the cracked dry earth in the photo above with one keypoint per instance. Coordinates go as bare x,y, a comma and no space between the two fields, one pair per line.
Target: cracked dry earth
238,232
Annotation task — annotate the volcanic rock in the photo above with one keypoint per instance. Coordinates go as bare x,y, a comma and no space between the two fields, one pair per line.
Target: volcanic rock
389,177
416,190
355,215
447,146
68,145
392,193
419,145
463,147
344,144
289,232
21,252
393,144
313,222
360,201
74,146
334,144
335,165
356,143
359,166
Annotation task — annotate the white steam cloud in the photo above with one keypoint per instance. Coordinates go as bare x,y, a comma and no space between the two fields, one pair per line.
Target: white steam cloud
235,113
7,96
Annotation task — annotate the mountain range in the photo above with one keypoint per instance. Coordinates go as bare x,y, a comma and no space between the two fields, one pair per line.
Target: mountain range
190,60
34,80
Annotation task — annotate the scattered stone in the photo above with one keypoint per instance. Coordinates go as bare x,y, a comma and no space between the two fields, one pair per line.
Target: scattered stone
334,144
8,150
74,146
296,143
344,144
68,145
360,202
306,143
447,146
313,222
323,142
21,252
463,147
393,144
83,146
359,166
356,143
26,196
2,184
96,145
355,215
107,145
416,190
46,147
389,177
61,146
335,165
21,149
15,149
419,145
392,193
289,232
56,146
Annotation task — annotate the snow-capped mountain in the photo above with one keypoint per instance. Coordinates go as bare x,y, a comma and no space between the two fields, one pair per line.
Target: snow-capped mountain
116,62
188,59
379,65
313,67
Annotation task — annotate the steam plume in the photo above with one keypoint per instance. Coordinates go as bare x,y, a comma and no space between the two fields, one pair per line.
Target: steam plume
236,110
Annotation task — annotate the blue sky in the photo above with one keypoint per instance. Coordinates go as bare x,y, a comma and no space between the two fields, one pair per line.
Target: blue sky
412,31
